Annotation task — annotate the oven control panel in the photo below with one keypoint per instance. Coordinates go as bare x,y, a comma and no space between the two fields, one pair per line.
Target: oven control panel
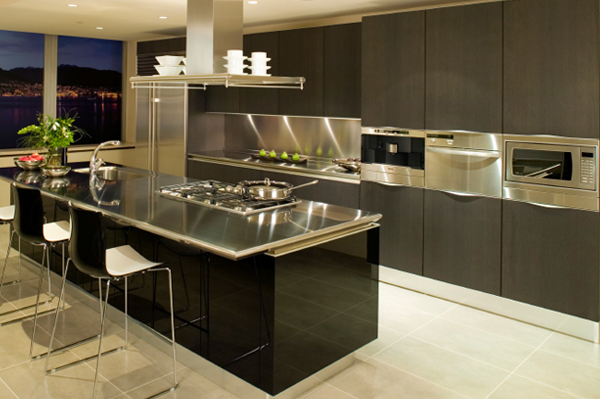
588,168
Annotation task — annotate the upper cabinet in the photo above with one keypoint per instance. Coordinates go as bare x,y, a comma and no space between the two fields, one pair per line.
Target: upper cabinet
301,54
262,101
463,68
393,70
551,67
341,70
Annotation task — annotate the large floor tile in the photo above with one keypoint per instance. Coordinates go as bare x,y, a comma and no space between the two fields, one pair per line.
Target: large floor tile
29,381
561,373
573,348
376,380
475,343
401,318
516,387
17,341
191,385
505,327
456,372
325,391
385,338
5,392
408,298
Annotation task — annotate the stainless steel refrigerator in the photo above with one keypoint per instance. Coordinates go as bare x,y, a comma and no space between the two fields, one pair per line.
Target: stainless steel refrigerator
161,129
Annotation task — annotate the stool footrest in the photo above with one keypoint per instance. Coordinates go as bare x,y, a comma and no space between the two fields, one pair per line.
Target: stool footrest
54,369
70,346
174,387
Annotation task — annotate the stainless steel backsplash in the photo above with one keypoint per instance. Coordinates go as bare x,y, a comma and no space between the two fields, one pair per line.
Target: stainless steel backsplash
321,137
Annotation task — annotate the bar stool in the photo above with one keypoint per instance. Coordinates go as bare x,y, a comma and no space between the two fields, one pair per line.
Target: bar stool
87,250
28,224
7,214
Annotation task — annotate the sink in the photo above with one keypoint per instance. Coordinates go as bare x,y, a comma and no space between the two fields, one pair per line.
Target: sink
113,173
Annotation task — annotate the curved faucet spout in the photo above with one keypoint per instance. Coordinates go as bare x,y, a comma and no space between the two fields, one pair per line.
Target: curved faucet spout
95,164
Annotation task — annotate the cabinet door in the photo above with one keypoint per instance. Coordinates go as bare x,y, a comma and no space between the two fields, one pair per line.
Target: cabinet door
401,232
230,174
223,99
262,101
393,70
551,64
342,63
301,54
327,191
464,68
462,240
550,258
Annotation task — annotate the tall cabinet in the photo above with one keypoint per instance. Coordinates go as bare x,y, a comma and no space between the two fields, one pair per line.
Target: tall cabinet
551,67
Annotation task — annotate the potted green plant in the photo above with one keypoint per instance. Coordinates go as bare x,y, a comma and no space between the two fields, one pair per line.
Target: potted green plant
53,135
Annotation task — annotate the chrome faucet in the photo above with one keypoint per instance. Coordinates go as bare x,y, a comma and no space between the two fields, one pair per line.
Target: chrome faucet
95,164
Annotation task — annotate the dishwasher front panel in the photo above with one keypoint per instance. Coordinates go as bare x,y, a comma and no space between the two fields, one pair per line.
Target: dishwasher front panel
464,162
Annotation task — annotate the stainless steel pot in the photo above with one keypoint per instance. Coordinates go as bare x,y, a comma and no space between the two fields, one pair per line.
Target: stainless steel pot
268,189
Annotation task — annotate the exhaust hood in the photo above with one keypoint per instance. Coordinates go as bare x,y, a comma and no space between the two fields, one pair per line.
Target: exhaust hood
213,27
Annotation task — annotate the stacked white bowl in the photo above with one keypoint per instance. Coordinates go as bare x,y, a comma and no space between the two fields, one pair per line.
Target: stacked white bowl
259,63
169,65
235,62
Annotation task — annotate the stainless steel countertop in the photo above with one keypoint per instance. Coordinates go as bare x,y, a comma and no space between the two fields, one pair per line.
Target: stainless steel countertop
314,167
226,234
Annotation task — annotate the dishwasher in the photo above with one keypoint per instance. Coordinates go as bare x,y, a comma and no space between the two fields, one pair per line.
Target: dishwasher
464,162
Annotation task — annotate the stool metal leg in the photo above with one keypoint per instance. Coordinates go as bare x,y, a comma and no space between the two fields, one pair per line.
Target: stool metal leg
173,329
126,316
6,261
61,298
103,318
45,252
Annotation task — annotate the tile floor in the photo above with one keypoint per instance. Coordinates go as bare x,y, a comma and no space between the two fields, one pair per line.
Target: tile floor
427,348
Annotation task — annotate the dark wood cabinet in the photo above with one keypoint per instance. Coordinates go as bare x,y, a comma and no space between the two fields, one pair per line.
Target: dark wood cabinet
148,50
393,70
401,232
327,191
550,258
262,101
551,64
301,54
341,70
464,68
222,99
208,170
462,240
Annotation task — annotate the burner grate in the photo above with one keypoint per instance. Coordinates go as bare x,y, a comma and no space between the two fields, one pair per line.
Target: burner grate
224,196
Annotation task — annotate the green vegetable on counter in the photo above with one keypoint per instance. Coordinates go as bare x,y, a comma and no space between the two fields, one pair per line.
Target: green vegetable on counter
295,157
284,155
262,153
273,154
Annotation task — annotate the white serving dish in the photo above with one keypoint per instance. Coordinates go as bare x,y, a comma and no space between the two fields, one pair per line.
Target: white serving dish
169,60
259,67
259,60
169,70
242,58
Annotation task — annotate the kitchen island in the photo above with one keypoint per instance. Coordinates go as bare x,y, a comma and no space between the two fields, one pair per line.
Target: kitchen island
288,291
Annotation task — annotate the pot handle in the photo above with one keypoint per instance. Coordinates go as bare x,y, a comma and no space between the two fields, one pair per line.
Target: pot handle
310,183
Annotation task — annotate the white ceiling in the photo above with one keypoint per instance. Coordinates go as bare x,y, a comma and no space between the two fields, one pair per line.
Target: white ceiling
138,19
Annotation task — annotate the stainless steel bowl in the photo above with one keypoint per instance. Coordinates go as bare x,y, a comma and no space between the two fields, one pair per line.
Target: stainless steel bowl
30,165
57,171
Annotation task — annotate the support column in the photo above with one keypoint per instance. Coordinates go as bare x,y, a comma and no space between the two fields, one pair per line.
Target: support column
50,74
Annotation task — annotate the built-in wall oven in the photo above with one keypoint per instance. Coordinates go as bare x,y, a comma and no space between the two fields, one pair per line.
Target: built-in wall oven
465,163
551,171
392,156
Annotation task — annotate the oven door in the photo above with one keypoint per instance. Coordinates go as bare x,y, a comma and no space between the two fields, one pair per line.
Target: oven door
544,164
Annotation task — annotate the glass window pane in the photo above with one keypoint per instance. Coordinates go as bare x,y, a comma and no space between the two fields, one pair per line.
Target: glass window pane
89,84
21,79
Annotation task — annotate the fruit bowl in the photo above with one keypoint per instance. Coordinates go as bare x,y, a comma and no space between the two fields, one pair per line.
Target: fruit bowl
30,165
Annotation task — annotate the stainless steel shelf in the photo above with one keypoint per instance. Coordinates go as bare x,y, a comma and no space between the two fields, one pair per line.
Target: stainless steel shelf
218,79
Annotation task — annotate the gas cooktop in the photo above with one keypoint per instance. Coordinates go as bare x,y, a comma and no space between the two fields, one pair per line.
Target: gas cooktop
224,196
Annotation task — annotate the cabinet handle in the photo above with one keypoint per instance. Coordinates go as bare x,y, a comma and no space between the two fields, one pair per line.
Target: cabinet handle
548,205
460,194
390,184
465,153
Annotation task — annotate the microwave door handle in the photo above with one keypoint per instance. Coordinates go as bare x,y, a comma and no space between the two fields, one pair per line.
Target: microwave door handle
540,174
466,153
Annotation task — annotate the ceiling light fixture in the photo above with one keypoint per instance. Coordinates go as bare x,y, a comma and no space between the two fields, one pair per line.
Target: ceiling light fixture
163,17
252,1
99,27
72,5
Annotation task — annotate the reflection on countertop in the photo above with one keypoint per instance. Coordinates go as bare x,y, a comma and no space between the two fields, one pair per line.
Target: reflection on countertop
314,166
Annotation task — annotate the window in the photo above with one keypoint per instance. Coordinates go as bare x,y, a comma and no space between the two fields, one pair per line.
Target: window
89,83
21,83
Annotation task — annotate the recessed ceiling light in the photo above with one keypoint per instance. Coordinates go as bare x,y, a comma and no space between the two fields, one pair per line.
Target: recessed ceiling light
163,17
99,27
252,1
71,5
